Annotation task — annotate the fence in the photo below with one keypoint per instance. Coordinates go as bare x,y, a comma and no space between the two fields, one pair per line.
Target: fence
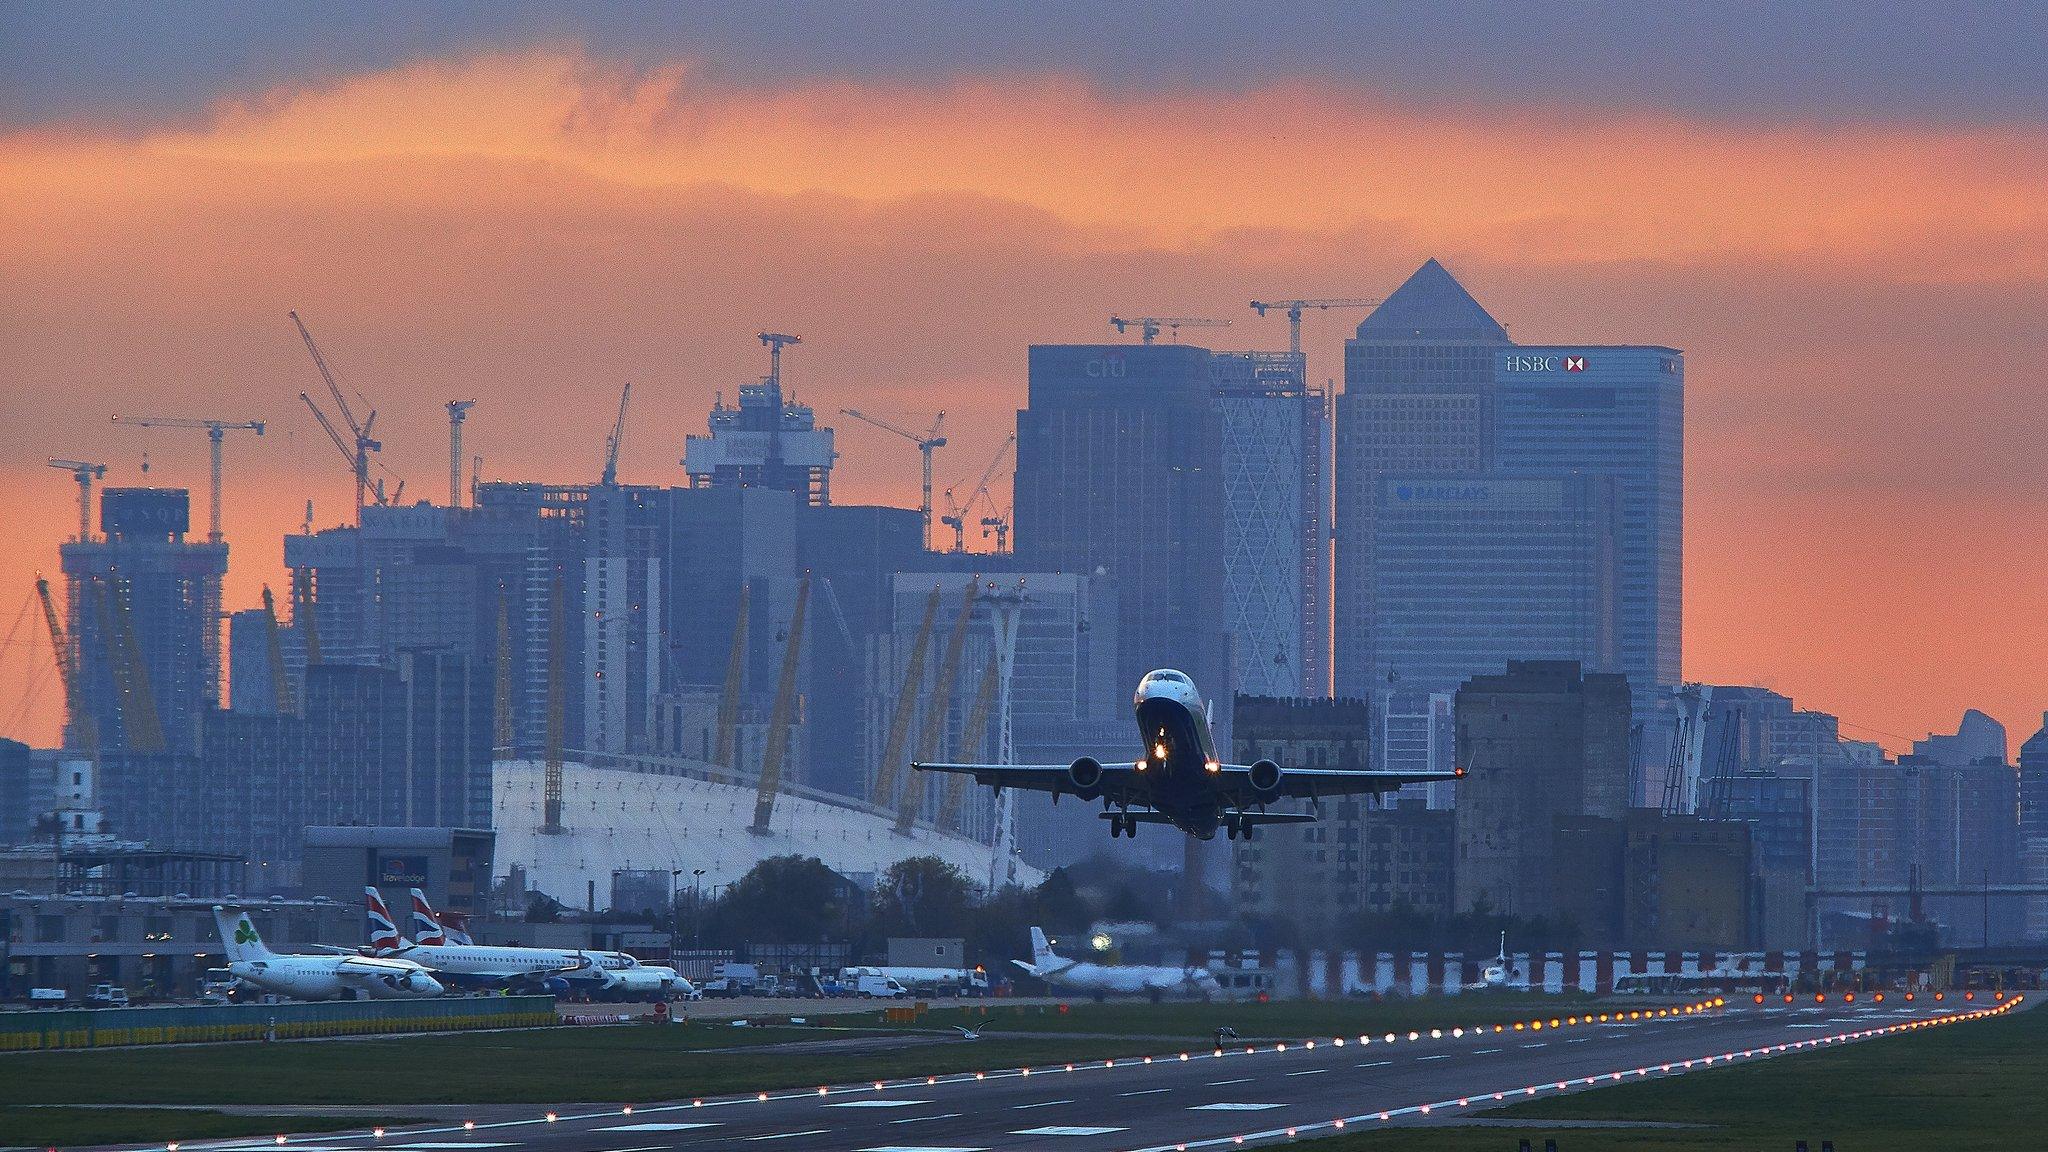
212,1023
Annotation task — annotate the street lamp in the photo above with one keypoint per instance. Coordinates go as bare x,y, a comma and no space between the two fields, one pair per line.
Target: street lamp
697,909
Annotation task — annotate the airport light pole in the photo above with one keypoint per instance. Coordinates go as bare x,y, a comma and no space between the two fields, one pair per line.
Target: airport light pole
697,909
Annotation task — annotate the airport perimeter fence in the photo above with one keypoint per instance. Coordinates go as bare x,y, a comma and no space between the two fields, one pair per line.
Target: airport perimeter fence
216,1023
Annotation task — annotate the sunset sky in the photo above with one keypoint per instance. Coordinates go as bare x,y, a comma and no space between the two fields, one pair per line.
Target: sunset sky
1841,214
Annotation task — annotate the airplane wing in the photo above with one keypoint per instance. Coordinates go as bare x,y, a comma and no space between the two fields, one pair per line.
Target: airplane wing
1314,783
1119,781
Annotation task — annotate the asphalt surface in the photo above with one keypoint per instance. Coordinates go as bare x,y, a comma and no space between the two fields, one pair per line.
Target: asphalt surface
1204,1099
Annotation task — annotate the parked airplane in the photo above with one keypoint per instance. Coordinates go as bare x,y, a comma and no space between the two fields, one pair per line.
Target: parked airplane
1178,779
1100,980
329,977
1497,974
618,974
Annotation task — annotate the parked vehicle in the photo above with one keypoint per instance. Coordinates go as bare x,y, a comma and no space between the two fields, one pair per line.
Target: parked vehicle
868,986
107,996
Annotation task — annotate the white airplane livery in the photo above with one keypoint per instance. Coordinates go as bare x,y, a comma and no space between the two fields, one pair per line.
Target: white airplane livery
1100,980
618,973
328,977
1177,777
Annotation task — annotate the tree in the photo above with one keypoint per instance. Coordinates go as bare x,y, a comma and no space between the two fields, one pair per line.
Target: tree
784,900
922,896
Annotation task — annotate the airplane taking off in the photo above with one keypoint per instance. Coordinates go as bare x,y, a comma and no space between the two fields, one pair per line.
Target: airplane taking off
329,977
1497,974
1100,980
1178,779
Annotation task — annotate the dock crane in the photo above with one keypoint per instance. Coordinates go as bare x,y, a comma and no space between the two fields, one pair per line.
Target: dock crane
1294,308
216,432
458,411
956,518
1148,326
926,442
85,472
356,450
610,477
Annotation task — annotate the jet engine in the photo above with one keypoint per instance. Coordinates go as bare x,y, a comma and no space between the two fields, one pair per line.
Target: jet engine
1264,778
1086,776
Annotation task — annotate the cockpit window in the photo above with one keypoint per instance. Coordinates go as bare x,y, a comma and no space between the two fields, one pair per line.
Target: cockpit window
1168,674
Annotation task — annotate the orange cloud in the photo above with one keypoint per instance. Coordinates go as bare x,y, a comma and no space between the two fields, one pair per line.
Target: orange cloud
535,229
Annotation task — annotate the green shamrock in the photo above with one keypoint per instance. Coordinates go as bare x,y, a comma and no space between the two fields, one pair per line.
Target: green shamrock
245,932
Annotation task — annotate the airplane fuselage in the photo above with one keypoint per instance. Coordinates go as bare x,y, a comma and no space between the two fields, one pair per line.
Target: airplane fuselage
1179,757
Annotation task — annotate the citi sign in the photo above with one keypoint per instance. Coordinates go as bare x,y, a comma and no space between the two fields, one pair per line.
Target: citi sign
1106,367
1526,362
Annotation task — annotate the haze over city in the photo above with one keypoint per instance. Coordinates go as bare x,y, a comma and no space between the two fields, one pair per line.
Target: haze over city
537,210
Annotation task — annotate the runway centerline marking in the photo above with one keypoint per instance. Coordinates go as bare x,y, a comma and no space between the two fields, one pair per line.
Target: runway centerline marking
1545,1044
1477,1052
787,1135
1232,1106
654,1127
1040,1104
1146,1092
922,1119
1221,1083
1068,1130
1373,1064
1432,1057
917,1148
878,1104
1309,1072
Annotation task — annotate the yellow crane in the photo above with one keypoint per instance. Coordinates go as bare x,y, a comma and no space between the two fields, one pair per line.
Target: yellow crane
82,732
926,441
280,687
935,709
726,754
551,785
883,793
779,717
216,432
968,749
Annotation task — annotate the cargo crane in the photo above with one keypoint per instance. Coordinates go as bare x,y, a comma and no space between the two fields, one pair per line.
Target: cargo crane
935,710
776,747
355,450
216,433
883,792
458,411
926,442
609,477
85,472
956,518
1148,326
1294,308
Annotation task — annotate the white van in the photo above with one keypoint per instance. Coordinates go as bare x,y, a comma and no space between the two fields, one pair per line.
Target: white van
869,987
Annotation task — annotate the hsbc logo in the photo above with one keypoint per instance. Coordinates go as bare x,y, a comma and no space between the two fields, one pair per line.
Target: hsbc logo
1530,362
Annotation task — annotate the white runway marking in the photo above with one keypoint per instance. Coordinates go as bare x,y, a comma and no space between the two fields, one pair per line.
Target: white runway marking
917,1148
1374,1064
878,1104
1146,1092
1310,1072
1432,1057
1487,1051
1068,1130
787,1135
1221,1083
1040,1104
431,1144
922,1119
654,1127
1580,1040
1231,1107
1545,1044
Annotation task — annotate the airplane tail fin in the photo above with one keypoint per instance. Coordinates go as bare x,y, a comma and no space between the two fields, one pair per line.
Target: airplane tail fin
454,927
384,937
1041,952
238,936
426,928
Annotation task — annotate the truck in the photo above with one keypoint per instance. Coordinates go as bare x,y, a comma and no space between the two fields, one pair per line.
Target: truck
935,981
870,985
733,978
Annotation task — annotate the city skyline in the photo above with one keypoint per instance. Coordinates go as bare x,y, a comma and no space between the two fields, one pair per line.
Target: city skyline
535,225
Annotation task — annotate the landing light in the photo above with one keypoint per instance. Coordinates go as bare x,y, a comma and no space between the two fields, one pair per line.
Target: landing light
1213,766
1159,751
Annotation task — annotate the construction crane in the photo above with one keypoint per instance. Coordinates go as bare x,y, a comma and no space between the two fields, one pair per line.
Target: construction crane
356,450
956,517
85,473
969,747
551,779
1148,326
726,753
216,432
775,341
280,687
1294,308
998,522
458,411
610,476
779,717
82,732
926,443
883,792
935,710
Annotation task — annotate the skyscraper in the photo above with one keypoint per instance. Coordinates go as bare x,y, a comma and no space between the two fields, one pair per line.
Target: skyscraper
1276,522
1120,475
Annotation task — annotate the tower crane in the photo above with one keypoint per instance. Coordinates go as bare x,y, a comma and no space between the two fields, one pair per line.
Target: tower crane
956,519
85,472
82,732
1148,326
926,442
458,411
610,477
216,432
358,450
1293,308
775,341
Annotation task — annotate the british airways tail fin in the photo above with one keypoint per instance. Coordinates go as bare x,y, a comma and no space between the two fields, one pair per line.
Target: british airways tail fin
426,927
384,935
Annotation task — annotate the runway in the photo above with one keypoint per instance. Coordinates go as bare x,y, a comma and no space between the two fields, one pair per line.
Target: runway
1243,1095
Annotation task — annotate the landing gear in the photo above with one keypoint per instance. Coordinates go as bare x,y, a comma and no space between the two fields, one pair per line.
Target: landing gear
1123,824
1237,826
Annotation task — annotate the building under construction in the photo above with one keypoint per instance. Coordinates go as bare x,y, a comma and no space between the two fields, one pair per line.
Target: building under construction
143,616
768,441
